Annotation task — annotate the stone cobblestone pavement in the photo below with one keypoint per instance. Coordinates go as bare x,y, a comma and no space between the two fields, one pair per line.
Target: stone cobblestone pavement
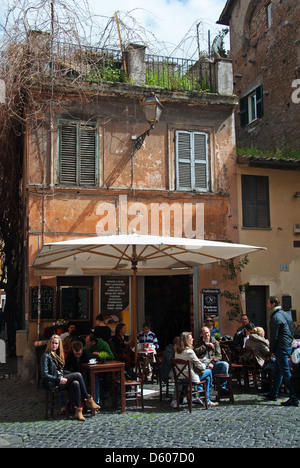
251,422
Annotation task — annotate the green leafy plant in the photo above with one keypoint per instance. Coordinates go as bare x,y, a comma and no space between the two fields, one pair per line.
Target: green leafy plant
103,355
233,298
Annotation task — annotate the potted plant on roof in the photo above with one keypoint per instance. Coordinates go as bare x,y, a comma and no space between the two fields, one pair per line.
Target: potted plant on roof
103,355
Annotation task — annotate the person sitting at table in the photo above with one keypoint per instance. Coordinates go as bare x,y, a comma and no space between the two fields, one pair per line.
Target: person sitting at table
165,367
54,375
199,372
77,356
147,340
122,348
210,324
101,330
263,358
209,352
96,345
147,336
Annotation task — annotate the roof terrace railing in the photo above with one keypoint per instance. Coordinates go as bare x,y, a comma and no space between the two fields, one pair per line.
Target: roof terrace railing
107,65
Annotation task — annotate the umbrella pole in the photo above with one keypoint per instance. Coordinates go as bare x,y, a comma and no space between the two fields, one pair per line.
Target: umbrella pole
134,302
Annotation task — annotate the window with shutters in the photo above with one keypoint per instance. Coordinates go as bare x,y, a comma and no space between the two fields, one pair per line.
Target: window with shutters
192,171
78,153
255,198
251,106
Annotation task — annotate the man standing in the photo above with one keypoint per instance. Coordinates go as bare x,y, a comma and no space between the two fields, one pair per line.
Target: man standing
281,338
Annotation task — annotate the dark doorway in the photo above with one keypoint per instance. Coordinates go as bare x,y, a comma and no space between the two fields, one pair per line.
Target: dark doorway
256,305
167,306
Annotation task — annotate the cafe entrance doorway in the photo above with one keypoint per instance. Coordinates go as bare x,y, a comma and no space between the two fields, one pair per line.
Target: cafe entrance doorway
167,306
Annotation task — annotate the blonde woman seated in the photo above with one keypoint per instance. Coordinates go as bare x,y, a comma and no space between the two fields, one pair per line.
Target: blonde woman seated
199,372
54,376
260,344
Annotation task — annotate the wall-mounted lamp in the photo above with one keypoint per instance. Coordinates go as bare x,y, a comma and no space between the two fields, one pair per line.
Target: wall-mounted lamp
297,195
152,110
74,270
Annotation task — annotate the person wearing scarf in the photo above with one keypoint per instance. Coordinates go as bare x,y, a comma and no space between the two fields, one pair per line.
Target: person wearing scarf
54,376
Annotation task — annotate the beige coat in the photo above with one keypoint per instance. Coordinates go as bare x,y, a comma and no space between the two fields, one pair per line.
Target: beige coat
261,347
197,366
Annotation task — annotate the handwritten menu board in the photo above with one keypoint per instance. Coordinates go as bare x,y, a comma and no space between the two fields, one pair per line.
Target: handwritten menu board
48,301
114,295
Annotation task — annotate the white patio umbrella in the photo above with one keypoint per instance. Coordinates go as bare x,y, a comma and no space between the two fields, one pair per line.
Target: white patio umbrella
134,255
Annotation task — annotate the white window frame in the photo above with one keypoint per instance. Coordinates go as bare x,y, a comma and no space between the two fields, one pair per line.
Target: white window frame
192,168
270,15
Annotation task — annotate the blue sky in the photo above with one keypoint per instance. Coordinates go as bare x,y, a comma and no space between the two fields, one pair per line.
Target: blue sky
172,22
166,26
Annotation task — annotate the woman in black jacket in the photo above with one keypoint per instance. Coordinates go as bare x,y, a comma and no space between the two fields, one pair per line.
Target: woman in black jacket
53,375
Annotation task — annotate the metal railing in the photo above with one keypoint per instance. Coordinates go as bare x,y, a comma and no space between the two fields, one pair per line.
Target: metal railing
84,63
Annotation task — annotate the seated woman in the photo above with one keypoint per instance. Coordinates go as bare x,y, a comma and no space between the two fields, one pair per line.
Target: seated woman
199,372
122,347
101,330
257,341
53,375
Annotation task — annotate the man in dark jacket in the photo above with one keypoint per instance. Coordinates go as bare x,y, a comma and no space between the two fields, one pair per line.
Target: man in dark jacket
281,339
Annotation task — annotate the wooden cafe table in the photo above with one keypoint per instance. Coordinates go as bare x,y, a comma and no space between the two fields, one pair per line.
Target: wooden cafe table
109,366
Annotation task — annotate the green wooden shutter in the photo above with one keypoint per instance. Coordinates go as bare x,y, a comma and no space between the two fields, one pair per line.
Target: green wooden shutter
78,153
244,111
68,154
255,194
88,151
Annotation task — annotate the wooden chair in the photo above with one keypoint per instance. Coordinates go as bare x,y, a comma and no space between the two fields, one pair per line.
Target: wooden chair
218,380
50,397
134,389
234,369
183,380
250,367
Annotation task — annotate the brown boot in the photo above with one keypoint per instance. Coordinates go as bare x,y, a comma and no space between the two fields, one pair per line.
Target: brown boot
78,414
91,404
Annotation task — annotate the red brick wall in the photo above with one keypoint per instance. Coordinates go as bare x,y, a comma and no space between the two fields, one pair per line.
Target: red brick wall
271,57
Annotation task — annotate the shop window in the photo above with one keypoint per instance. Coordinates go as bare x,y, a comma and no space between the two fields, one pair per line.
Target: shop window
75,301
255,198
77,153
192,168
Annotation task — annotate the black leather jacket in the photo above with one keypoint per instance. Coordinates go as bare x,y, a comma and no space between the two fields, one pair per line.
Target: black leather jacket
49,372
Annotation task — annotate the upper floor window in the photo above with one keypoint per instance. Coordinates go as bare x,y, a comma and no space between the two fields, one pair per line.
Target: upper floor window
251,106
192,168
255,199
77,153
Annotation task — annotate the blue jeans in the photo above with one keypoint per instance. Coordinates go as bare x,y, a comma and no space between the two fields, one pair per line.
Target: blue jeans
221,367
282,372
207,376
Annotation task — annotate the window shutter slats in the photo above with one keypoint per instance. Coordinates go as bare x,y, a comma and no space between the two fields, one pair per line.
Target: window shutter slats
78,154
68,156
87,156
255,195
191,161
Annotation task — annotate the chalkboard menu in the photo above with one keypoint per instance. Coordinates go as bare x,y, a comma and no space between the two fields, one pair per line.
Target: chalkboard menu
210,302
114,295
47,302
